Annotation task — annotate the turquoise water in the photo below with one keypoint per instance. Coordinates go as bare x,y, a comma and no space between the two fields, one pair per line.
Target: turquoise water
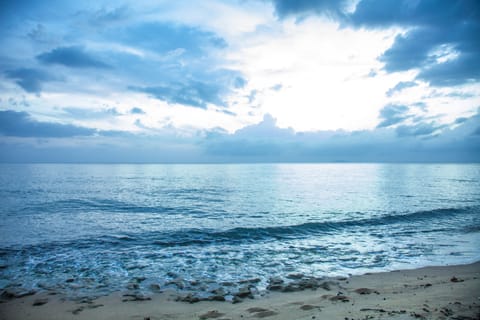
91,229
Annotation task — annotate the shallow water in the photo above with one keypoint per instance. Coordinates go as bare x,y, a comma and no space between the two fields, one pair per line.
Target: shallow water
91,229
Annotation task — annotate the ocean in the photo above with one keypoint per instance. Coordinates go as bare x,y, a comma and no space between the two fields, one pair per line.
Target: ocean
93,229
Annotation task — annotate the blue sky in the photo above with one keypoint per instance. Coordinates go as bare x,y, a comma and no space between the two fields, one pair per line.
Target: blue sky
239,81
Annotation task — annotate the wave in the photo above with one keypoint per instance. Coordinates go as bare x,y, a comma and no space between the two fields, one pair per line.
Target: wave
202,237
193,236
111,206
73,205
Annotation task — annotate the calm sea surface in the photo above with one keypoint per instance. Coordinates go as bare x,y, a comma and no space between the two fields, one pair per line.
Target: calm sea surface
91,229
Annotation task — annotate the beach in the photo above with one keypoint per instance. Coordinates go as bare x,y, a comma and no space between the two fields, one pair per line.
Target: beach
235,160
445,292
275,241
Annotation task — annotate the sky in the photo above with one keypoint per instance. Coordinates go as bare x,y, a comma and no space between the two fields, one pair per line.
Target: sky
240,81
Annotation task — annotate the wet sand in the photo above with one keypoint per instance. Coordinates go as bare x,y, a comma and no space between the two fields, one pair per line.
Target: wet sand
451,292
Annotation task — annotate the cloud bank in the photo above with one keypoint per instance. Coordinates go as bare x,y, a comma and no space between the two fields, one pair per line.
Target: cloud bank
262,142
20,124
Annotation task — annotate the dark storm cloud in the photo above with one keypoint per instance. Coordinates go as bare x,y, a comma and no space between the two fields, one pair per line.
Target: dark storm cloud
31,80
435,29
20,124
421,48
74,57
464,69
412,49
385,13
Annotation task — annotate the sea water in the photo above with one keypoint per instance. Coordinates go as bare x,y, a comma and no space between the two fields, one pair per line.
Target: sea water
92,228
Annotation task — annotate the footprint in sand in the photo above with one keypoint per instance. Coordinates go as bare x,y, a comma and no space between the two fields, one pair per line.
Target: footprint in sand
307,307
261,312
40,302
213,314
365,291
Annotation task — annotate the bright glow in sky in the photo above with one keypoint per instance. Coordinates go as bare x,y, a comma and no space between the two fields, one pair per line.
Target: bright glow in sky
197,73
316,64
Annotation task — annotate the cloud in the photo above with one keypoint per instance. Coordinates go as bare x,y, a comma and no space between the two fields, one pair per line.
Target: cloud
227,112
255,141
83,113
409,51
277,87
419,129
461,120
31,80
442,56
251,97
162,37
460,95
462,70
100,150
333,8
266,142
441,38
179,64
400,86
39,34
261,142
73,57
136,110
239,82
267,129
192,93
380,13
106,16
252,64
393,114
20,124
168,60
18,102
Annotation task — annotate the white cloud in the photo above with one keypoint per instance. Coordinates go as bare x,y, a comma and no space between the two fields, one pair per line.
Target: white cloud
322,70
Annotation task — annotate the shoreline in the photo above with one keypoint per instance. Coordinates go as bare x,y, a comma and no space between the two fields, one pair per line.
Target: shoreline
443,292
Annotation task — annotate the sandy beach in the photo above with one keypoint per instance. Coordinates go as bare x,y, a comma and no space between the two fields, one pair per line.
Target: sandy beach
449,292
